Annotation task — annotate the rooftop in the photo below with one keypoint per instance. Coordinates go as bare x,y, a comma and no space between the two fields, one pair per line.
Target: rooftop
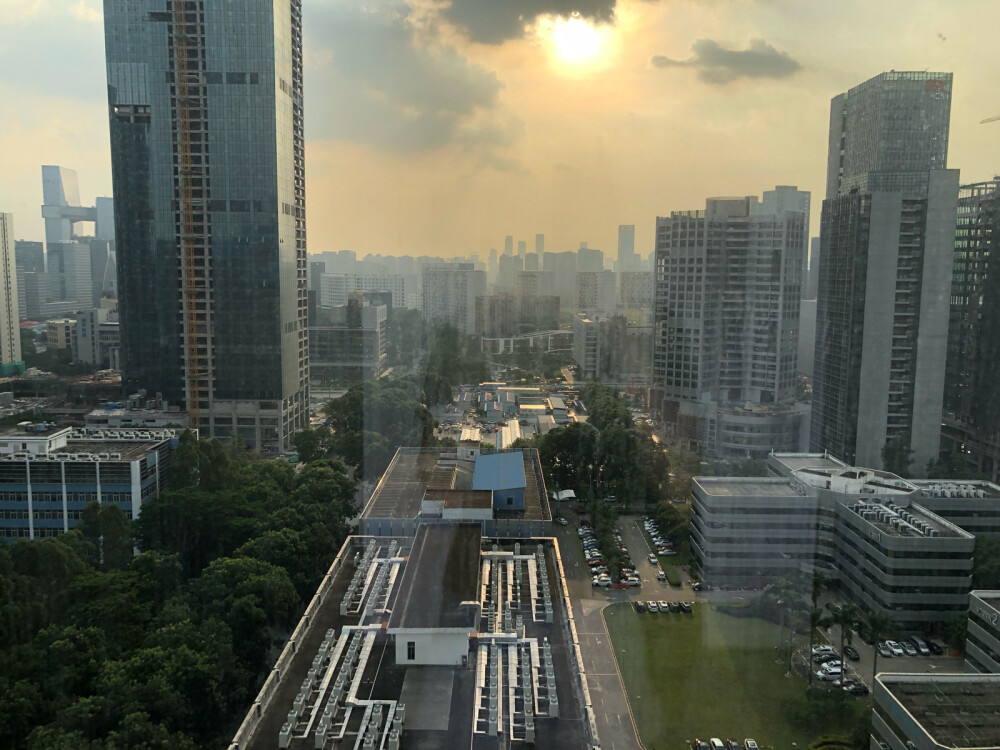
441,575
955,710
462,498
908,520
748,486
499,471
791,462
412,471
989,598
855,480
952,488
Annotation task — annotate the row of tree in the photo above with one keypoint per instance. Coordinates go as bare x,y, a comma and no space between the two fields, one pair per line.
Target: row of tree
102,650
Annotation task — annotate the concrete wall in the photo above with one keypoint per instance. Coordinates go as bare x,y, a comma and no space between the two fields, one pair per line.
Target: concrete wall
443,648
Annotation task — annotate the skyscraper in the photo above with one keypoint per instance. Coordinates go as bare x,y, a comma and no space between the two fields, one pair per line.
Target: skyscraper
508,245
206,119
522,248
10,329
971,421
627,260
539,244
725,336
449,294
886,241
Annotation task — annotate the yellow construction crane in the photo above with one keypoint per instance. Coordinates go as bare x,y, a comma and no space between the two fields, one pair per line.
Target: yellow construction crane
990,119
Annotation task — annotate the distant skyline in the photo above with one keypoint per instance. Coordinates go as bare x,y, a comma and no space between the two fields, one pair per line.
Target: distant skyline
436,130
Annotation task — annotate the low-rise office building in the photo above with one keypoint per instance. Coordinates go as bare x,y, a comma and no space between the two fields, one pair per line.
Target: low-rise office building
982,640
48,476
935,712
861,528
354,346
972,504
426,485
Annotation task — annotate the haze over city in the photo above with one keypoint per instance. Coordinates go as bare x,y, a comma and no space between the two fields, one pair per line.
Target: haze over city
436,130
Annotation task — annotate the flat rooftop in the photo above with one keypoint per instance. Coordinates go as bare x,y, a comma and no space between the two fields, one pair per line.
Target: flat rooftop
748,486
794,461
910,520
441,575
462,498
955,710
952,488
989,598
413,471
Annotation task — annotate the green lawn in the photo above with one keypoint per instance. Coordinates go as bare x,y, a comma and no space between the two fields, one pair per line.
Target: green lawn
713,675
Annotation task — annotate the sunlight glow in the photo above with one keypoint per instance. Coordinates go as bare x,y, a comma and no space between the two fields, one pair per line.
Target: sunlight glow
574,40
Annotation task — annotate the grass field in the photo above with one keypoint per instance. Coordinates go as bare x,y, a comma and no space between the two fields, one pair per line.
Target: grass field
711,675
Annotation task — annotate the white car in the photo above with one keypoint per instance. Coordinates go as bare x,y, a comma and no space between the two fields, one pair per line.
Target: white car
896,649
652,559
823,649
664,607
829,676
652,607
661,576
602,580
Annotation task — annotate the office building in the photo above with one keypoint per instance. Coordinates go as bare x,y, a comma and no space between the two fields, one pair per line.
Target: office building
352,345
589,259
982,640
596,292
449,294
563,267
59,333
887,244
495,316
971,421
48,476
97,337
213,298
726,319
10,321
69,272
29,257
532,261
536,313
611,350
627,259
866,530
508,245
636,290
935,711
539,245
522,248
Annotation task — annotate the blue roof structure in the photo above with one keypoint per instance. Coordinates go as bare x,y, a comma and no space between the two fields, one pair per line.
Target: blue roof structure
499,471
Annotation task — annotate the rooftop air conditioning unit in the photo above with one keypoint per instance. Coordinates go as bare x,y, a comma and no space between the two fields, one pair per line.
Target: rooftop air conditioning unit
933,532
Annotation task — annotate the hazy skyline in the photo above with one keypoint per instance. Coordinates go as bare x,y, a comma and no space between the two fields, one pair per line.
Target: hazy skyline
436,129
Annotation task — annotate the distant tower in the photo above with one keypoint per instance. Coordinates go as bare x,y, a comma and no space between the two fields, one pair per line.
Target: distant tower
508,245
627,260
10,330
539,244
522,248
887,240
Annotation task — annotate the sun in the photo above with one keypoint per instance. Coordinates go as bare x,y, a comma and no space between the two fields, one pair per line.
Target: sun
574,40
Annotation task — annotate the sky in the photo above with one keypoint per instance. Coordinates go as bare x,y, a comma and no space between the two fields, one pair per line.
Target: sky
437,127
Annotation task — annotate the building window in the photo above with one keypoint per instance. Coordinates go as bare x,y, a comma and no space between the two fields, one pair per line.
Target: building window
411,650
510,501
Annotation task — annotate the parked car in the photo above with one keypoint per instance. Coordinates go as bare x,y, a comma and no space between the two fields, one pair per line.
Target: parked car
750,744
600,582
599,569
666,552
675,606
686,607
852,653
935,648
664,607
562,521
828,675
699,745
825,656
734,745
652,607
920,645
717,744
909,648
896,649
884,650
640,607
633,582
823,648
857,689
661,576
697,586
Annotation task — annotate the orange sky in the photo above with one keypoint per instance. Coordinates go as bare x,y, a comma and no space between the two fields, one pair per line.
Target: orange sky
440,145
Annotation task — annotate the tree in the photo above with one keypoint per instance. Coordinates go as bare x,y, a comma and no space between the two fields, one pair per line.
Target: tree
955,631
876,625
819,582
897,456
846,617
313,443
986,564
107,528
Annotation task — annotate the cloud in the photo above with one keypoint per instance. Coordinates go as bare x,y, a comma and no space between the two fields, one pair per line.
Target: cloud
86,12
496,21
716,64
372,80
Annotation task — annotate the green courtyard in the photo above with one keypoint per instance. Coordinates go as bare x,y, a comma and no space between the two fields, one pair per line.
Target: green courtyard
709,674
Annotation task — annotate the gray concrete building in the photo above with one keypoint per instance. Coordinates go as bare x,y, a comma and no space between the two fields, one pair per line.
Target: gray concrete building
449,294
862,528
10,323
728,284
982,640
610,349
887,240
935,712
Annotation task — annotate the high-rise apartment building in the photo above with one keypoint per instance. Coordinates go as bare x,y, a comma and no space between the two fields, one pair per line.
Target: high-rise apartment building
449,294
887,240
725,340
29,258
208,163
596,291
971,421
10,329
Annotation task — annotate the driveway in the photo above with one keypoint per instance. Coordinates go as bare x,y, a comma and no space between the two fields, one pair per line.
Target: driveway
607,694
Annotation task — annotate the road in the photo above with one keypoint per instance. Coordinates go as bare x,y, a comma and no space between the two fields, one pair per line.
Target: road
568,375
614,719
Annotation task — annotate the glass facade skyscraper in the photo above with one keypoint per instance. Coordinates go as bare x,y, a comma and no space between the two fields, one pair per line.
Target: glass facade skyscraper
206,118
887,236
